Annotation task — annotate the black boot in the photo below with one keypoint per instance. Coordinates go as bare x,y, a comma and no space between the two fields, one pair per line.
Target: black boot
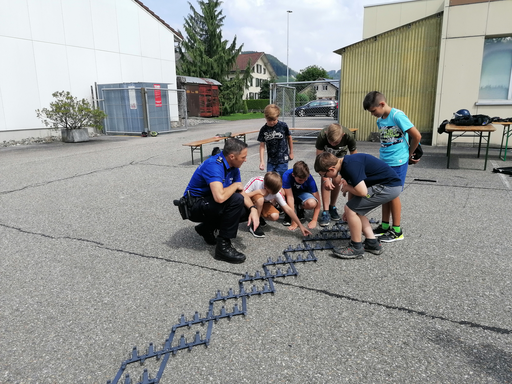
207,234
225,251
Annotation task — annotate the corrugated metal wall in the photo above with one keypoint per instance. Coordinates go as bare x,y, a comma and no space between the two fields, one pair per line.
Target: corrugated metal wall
403,65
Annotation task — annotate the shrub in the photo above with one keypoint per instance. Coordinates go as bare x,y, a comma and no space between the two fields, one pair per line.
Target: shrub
69,112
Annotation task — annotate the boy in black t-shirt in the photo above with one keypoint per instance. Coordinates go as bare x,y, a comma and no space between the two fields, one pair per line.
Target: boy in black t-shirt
370,183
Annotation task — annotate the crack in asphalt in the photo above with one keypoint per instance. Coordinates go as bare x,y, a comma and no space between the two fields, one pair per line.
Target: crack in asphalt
499,330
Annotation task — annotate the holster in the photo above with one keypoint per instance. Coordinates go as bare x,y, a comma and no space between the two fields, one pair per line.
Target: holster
184,205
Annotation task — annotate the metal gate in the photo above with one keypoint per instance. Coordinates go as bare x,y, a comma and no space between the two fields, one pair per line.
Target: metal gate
133,110
307,104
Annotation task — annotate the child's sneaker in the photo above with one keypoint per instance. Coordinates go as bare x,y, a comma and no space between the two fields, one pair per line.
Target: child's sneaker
258,232
287,221
333,211
391,236
376,249
349,252
325,219
379,231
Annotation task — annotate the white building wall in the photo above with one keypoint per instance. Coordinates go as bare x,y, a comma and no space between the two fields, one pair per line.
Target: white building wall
69,45
385,17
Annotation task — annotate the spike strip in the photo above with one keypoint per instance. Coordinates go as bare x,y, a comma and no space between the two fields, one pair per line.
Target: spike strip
302,253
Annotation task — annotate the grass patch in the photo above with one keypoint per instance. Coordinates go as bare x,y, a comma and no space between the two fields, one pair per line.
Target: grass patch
242,116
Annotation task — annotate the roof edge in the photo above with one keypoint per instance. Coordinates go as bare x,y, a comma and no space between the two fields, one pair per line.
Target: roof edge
176,33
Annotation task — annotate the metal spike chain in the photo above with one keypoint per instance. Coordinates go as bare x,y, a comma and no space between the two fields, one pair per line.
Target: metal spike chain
283,266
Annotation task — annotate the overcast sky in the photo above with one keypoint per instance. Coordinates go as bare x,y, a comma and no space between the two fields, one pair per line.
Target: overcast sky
316,27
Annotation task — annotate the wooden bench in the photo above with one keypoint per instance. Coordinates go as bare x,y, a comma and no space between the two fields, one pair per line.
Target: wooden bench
198,144
353,130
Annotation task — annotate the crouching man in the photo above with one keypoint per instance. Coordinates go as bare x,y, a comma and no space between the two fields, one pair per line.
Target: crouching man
216,203
370,182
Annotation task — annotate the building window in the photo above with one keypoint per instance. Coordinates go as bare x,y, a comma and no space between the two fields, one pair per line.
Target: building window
496,76
256,95
258,68
316,87
251,95
250,82
264,71
324,87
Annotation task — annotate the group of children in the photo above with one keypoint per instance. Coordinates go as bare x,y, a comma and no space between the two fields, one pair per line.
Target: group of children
368,181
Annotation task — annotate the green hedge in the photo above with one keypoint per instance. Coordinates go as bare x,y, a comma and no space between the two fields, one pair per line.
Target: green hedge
257,105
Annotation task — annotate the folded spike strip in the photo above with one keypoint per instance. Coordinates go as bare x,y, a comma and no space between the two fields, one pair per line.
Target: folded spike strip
283,266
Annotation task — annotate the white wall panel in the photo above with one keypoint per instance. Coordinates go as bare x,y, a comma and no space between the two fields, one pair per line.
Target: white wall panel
105,25
16,22
46,21
128,27
152,70
169,73
52,69
18,82
82,69
108,67
78,23
166,45
468,20
131,69
150,35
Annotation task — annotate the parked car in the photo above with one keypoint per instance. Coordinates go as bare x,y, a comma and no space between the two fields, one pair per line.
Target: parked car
317,107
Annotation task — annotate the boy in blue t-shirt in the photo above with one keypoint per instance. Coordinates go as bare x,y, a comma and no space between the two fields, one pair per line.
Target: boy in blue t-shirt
276,136
302,193
398,141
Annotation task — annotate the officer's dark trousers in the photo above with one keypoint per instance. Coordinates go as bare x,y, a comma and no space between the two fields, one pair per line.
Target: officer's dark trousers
225,217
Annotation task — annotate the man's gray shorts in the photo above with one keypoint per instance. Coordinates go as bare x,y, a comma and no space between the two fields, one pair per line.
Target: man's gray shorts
377,195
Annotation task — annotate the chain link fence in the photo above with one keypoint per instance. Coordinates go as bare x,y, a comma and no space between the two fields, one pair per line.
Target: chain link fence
312,104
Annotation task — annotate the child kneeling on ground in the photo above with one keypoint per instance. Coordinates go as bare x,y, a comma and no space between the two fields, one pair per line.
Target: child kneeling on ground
301,193
370,182
262,191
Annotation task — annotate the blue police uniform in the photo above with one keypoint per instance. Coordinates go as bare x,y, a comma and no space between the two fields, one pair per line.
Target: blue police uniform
224,216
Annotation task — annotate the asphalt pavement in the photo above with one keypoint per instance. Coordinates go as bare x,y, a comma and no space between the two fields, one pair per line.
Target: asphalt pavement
95,259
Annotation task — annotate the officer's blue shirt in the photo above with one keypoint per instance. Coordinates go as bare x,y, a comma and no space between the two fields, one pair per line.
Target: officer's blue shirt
215,168
289,183
361,166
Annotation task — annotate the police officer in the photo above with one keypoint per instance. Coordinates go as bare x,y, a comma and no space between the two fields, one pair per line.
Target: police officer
216,203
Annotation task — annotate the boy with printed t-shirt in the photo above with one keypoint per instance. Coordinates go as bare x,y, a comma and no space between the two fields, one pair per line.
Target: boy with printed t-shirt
339,141
276,136
301,193
398,141
262,191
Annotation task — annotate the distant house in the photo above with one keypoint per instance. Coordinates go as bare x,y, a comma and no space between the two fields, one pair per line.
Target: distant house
261,70
326,89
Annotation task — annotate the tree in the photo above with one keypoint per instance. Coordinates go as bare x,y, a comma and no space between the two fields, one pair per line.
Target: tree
265,88
204,53
312,73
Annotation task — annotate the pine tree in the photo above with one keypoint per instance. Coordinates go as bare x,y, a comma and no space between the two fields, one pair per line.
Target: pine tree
204,53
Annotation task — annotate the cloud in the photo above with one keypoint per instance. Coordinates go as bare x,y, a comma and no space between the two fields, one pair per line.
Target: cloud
316,28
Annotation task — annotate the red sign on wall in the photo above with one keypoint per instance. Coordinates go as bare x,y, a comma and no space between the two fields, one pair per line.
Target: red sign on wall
158,96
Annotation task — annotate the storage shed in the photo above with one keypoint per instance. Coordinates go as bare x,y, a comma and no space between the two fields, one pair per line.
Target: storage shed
202,96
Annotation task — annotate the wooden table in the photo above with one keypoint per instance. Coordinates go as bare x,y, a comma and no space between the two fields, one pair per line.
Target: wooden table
507,131
469,131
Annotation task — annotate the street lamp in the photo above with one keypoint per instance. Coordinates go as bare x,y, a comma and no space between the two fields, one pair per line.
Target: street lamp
287,44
